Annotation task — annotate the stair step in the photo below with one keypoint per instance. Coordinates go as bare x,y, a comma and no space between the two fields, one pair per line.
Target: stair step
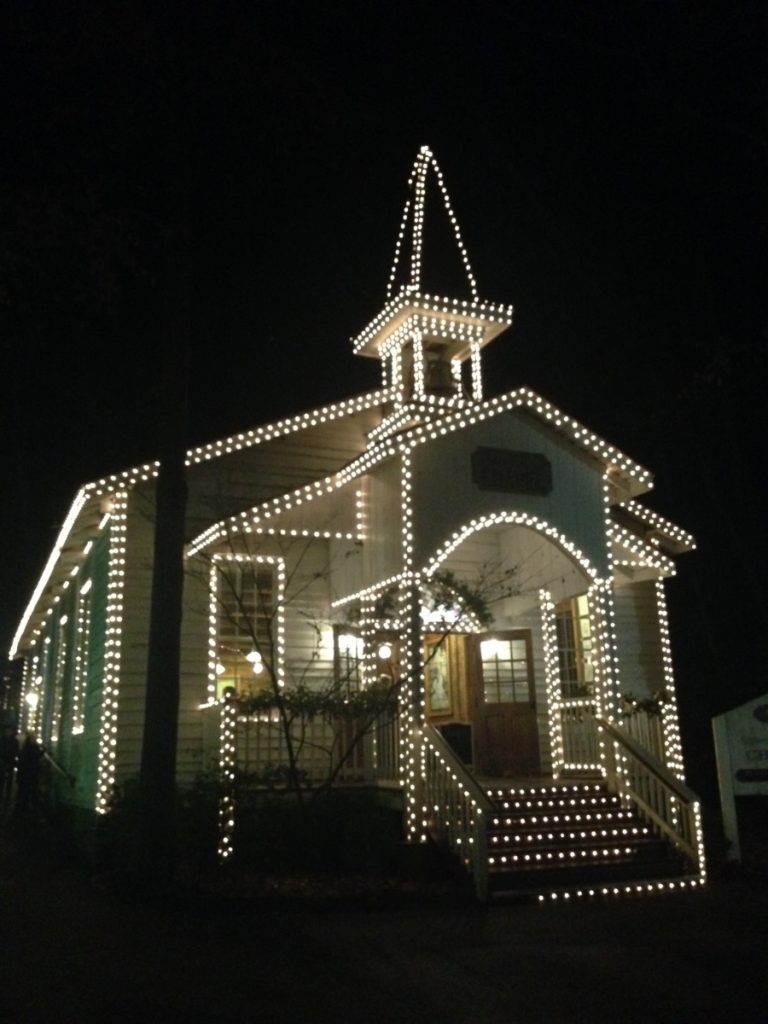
566,838
554,856
555,790
544,793
570,818
545,805
549,877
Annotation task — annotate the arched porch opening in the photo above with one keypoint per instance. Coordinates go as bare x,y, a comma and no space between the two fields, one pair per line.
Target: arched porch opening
517,698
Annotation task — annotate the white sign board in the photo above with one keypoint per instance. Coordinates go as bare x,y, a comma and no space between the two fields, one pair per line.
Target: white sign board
741,747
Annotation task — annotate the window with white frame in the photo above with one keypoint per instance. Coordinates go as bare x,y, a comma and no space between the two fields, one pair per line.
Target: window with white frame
575,647
245,602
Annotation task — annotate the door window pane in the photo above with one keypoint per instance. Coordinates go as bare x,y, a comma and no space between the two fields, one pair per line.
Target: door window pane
505,666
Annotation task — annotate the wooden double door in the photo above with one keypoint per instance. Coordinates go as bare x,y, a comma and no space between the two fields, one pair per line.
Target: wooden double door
487,681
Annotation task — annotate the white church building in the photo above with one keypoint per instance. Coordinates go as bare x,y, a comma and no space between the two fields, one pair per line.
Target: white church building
489,559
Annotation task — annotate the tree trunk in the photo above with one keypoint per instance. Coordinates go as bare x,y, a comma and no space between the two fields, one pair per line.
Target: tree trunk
158,757
156,834
157,789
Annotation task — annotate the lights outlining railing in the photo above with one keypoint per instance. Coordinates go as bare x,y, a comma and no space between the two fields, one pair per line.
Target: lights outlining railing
251,745
663,800
455,807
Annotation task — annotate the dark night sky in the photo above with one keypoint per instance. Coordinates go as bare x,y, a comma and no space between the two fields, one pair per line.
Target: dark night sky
607,162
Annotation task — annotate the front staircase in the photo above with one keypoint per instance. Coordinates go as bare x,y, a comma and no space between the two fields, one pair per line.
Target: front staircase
634,829
572,836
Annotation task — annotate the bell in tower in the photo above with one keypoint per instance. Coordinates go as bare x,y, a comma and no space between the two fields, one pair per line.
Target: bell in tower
439,379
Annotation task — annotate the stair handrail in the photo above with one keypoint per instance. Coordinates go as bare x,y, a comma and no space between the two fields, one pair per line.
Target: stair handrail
71,779
464,827
654,765
658,793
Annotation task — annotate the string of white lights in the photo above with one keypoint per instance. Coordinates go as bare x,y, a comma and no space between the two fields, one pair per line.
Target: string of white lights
552,679
508,517
644,553
670,719
107,757
657,522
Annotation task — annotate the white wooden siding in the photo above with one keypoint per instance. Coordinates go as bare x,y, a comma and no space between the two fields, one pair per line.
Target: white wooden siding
641,669
383,544
136,602
443,467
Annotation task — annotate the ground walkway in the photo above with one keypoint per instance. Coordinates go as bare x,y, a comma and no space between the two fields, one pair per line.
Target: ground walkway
71,953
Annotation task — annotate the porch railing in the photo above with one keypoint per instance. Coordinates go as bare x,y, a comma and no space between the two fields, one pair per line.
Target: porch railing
319,746
458,809
580,748
647,730
261,747
381,748
665,801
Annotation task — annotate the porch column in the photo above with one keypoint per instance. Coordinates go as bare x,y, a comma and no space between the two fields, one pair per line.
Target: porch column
227,764
368,635
609,703
607,700
412,698
552,675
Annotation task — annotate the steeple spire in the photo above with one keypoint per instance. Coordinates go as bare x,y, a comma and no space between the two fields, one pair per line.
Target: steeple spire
413,219
429,346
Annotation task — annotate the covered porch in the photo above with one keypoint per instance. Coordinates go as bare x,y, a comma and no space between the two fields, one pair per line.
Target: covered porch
521,711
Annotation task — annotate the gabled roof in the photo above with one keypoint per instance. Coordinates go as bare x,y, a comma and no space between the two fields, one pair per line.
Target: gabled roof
628,475
288,425
333,515
267,514
81,524
83,516
652,528
632,551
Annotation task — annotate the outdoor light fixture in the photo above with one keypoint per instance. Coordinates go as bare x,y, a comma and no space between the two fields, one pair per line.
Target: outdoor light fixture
493,649
351,644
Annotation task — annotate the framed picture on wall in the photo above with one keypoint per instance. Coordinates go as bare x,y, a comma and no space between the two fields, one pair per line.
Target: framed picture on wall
439,697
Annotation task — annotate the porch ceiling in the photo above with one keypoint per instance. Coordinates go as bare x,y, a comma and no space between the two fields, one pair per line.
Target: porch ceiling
526,559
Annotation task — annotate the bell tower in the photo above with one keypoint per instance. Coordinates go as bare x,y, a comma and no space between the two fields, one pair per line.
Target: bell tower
429,346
